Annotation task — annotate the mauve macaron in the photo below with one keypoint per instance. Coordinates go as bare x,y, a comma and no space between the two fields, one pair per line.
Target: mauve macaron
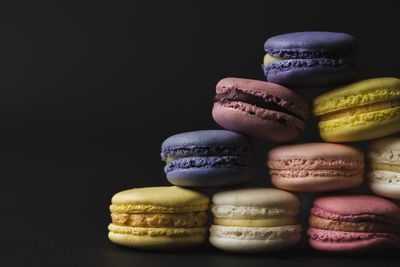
354,224
267,111
316,167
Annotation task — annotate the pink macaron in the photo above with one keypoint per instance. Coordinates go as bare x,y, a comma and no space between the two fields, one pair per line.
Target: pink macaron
316,167
264,110
353,224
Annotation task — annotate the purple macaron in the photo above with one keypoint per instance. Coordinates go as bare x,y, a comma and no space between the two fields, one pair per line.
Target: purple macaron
208,158
310,59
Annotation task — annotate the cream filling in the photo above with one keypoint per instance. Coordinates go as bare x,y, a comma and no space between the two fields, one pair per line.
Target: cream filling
269,59
271,222
234,212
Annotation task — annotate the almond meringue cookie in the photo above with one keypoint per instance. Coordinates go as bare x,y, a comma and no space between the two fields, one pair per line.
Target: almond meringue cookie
384,174
254,220
158,218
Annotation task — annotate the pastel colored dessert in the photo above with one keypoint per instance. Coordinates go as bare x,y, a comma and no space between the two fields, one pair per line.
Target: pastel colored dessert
255,220
158,218
384,174
263,110
208,158
310,59
354,224
360,111
316,167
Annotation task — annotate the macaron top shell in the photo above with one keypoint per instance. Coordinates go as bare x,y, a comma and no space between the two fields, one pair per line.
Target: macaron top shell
316,151
386,150
358,94
357,205
158,199
321,42
207,138
271,92
257,197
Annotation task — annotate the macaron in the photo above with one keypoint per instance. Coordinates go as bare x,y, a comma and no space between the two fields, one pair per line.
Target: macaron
384,173
255,220
158,218
315,167
359,111
208,158
354,224
310,59
267,111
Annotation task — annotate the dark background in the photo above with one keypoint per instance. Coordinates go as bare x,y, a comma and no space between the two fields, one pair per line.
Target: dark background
88,92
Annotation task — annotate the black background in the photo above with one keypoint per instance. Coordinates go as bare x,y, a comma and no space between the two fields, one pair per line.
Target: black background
88,92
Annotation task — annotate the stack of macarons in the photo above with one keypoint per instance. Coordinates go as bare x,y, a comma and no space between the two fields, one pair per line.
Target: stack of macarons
256,220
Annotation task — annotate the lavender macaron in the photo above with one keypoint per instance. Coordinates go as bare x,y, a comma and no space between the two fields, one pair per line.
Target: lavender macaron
310,59
208,158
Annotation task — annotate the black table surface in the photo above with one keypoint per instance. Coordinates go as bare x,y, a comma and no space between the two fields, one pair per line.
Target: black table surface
89,91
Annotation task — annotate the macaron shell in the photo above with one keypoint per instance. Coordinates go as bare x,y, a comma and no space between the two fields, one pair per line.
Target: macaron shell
358,94
268,198
385,189
385,150
156,241
158,199
361,127
357,245
317,184
355,205
206,138
317,151
211,177
312,40
254,239
265,127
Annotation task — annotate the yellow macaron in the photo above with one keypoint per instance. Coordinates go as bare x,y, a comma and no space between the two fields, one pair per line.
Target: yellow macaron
360,111
158,217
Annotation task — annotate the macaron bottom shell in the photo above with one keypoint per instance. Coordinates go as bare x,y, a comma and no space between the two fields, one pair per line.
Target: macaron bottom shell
210,177
317,184
361,127
308,72
240,239
160,238
385,189
351,242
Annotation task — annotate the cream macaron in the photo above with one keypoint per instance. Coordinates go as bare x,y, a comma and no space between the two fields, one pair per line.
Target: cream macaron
384,174
158,217
255,220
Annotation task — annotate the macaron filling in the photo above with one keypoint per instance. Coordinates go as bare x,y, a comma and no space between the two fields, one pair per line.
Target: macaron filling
171,153
209,162
385,167
303,53
268,102
185,219
268,222
351,226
